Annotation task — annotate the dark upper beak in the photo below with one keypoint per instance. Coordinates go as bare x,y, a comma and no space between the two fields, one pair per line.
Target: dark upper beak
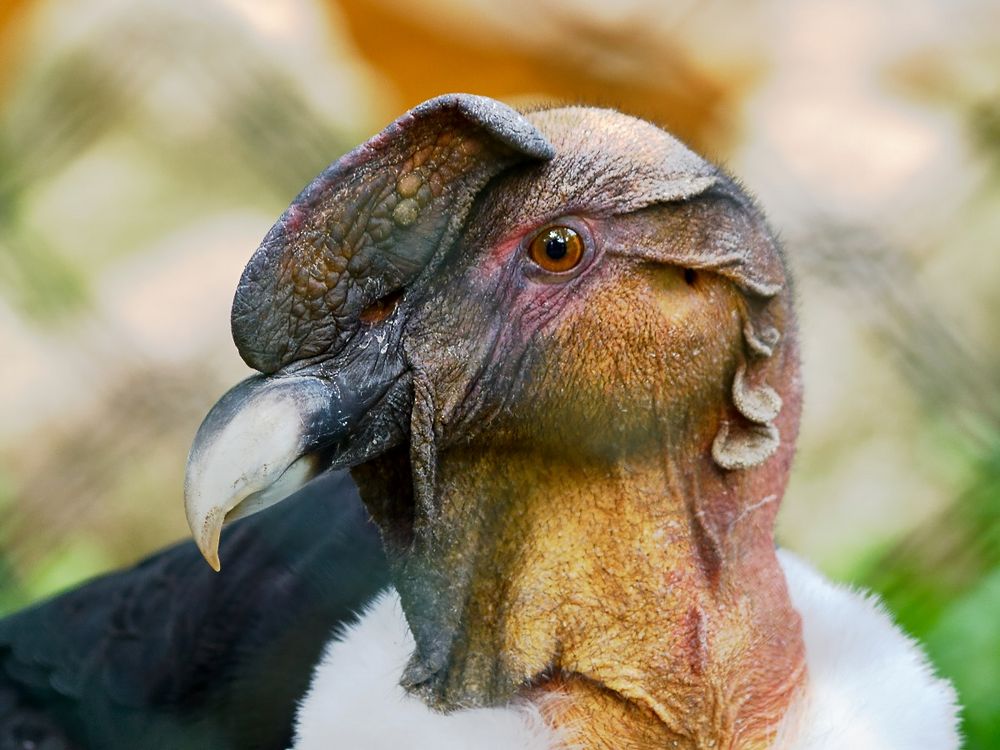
322,304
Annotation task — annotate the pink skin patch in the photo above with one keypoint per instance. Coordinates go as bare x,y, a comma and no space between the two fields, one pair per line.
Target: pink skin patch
536,302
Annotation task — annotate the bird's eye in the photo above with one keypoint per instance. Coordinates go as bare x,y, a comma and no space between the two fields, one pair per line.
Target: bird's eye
557,249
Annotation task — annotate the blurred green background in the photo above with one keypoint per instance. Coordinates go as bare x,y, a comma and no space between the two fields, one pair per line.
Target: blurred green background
147,145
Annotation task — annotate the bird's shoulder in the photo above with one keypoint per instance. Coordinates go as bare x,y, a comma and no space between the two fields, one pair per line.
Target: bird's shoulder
170,644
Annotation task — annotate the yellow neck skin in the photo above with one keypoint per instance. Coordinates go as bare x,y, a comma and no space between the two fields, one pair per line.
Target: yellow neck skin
615,595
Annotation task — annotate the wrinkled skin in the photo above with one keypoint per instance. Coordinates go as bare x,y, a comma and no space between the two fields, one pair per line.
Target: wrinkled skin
578,492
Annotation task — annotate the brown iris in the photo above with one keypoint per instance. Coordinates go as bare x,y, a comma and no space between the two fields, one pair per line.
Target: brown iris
557,249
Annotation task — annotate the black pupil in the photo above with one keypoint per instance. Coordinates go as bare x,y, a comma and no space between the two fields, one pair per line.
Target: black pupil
556,246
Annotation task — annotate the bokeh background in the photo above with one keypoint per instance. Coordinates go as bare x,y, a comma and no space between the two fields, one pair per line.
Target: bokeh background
147,145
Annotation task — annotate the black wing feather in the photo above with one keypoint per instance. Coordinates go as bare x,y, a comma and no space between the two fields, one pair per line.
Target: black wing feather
170,655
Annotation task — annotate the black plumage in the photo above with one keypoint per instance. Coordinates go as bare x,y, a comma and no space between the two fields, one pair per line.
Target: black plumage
182,657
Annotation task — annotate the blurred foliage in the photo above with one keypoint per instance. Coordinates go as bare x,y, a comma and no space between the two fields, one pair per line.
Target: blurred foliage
942,584
147,145
965,645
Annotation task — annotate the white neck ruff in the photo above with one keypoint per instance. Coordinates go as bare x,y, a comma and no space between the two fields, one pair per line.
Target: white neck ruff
869,687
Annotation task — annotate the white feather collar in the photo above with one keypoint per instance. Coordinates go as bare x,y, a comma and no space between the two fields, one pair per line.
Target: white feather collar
870,687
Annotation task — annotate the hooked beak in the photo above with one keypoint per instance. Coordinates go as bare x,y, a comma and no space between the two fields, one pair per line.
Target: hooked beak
268,436
260,443
249,451
321,307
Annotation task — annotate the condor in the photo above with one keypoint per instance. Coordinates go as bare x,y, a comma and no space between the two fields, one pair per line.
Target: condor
557,351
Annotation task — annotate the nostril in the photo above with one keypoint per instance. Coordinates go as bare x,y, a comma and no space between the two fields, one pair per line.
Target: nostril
690,276
381,308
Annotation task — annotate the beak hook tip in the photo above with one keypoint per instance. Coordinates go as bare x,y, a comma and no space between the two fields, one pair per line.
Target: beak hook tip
209,536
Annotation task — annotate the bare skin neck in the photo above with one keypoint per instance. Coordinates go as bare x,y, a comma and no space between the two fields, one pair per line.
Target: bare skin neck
635,589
